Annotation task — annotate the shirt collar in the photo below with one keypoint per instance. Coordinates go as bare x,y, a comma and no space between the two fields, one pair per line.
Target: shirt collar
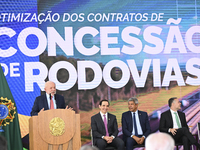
173,111
103,114
136,112
48,97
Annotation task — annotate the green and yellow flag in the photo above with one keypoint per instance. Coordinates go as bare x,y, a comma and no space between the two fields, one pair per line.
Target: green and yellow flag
9,124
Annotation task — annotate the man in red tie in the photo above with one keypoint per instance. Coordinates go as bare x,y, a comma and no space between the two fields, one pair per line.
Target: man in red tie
50,100
105,129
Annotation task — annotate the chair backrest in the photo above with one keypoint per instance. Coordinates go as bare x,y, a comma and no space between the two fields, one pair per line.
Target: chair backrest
198,129
91,137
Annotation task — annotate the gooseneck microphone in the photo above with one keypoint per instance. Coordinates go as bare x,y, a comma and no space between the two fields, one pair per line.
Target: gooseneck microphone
50,96
54,98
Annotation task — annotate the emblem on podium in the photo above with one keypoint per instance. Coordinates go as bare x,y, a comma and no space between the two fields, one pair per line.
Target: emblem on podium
57,126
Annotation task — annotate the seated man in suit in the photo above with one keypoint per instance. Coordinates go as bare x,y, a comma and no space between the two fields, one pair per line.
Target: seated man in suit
50,100
174,123
105,129
135,125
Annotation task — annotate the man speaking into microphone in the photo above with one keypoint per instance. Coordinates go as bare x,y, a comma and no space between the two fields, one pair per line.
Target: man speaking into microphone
50,100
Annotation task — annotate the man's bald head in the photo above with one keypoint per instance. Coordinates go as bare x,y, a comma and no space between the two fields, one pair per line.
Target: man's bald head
159,141
50,87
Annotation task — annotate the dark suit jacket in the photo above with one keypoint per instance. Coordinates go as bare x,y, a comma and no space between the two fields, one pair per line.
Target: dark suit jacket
166,121
41,102
127,124
98,128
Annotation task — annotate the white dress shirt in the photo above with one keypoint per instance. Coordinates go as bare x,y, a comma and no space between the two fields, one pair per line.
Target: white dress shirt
48,101
174,119
106,115
139,128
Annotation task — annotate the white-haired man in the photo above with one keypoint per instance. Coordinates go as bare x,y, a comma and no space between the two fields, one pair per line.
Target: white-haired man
50,100
159,141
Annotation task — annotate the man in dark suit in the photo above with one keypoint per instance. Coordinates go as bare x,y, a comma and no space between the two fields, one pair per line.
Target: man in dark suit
50,100
135,125
105,129
174,123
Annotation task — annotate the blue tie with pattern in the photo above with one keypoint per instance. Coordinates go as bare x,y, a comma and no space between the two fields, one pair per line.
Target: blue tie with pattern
135,126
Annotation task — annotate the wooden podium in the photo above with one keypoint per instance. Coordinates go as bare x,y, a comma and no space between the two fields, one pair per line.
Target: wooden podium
57,129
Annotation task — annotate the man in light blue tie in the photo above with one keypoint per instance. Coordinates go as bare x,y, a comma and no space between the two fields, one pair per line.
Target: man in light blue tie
135,125
105,129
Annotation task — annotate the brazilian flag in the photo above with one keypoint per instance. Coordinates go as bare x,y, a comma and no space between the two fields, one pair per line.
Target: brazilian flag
9,124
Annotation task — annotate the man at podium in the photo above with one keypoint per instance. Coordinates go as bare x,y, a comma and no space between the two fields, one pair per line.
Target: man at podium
50,100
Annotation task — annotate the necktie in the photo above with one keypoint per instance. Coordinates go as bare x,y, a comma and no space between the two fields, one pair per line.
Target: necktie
177,120
105,123
135,126
51,103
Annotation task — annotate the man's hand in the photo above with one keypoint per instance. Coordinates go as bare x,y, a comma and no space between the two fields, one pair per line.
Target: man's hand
138,140
108,139
173,131
141,140
41,110
69,108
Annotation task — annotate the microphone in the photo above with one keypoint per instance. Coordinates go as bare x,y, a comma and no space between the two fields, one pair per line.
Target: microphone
55,99
50,96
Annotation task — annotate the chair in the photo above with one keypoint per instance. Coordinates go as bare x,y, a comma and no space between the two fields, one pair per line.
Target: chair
138,145
110,148
178,144
198,129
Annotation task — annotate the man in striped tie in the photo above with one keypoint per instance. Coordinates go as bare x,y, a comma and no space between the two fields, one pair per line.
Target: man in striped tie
105,129
174,123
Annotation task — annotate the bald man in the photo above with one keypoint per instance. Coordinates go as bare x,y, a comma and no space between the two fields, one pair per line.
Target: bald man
50,100
159,141
88,147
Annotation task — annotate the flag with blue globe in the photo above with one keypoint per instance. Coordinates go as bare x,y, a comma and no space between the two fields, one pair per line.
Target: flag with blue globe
3,114
9,123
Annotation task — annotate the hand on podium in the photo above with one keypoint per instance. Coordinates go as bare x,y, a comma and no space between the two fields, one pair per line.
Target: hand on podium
41,110
69,108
